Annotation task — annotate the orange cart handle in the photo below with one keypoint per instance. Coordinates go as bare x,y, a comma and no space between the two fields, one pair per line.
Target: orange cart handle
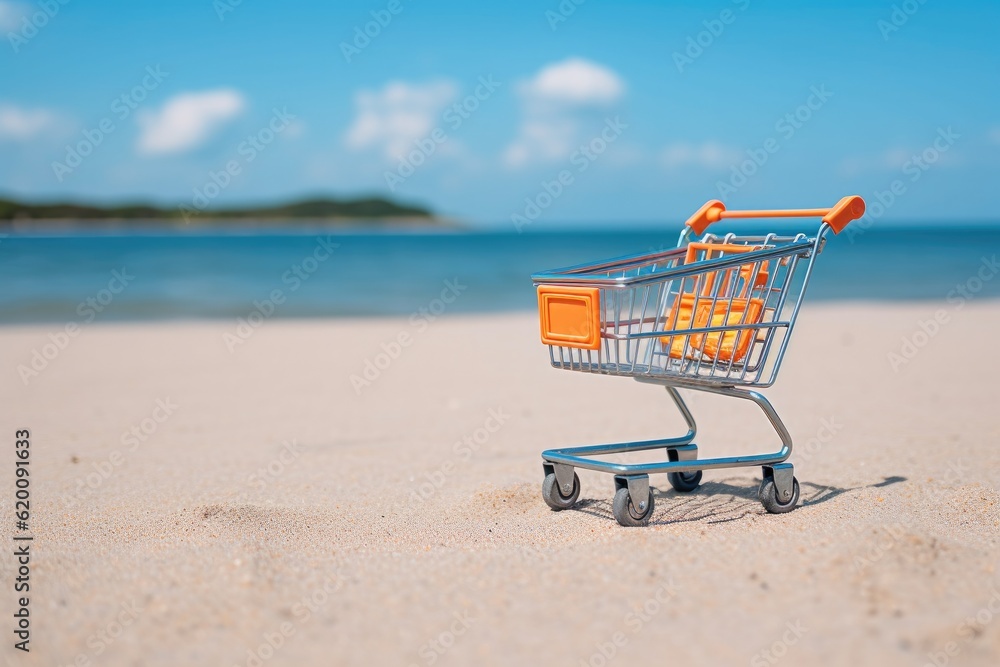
847,209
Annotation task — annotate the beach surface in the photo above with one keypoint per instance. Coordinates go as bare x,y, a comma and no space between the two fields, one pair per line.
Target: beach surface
201,501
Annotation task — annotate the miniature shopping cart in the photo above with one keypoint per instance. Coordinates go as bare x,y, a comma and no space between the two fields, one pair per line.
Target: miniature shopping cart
714,314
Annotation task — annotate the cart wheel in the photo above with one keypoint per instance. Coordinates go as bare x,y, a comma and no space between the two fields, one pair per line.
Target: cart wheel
553,496
625,512
768,494
684,481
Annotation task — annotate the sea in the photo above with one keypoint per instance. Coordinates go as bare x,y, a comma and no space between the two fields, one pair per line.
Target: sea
353,271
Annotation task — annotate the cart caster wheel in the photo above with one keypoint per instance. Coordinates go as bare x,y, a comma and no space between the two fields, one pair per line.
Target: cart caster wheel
626,514
768,494
684,481
553,496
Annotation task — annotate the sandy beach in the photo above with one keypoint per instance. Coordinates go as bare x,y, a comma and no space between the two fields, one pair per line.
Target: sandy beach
197,501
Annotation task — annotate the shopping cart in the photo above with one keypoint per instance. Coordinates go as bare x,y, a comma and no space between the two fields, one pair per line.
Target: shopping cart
714,314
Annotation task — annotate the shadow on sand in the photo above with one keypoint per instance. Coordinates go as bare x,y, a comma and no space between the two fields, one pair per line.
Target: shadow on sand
720,501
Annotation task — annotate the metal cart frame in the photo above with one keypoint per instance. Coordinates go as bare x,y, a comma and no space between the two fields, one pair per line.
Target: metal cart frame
589,322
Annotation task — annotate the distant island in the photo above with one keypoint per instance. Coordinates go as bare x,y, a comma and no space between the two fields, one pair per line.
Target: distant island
333,210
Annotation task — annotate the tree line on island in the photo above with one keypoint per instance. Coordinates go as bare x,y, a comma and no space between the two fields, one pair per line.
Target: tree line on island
320,208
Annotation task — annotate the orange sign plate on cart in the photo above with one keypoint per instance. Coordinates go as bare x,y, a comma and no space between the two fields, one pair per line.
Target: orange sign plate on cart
570,316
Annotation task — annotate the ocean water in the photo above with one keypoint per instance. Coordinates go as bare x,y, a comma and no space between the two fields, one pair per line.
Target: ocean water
221,274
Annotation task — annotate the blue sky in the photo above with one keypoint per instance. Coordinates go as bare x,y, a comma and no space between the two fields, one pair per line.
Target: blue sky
630,111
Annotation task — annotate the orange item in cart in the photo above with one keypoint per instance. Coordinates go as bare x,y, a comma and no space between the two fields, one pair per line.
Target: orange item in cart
694,311
680,317
727,345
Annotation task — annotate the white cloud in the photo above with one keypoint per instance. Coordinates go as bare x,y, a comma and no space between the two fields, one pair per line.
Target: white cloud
855,165
995,135
558,106
18,124
295,129
391,119
710,155
574,81
897,158
187,120
11,14
893,158
545,139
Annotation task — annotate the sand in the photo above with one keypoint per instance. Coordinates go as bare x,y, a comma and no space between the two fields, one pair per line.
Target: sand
194,505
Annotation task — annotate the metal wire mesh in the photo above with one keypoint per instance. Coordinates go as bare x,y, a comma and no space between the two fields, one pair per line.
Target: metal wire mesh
718,310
